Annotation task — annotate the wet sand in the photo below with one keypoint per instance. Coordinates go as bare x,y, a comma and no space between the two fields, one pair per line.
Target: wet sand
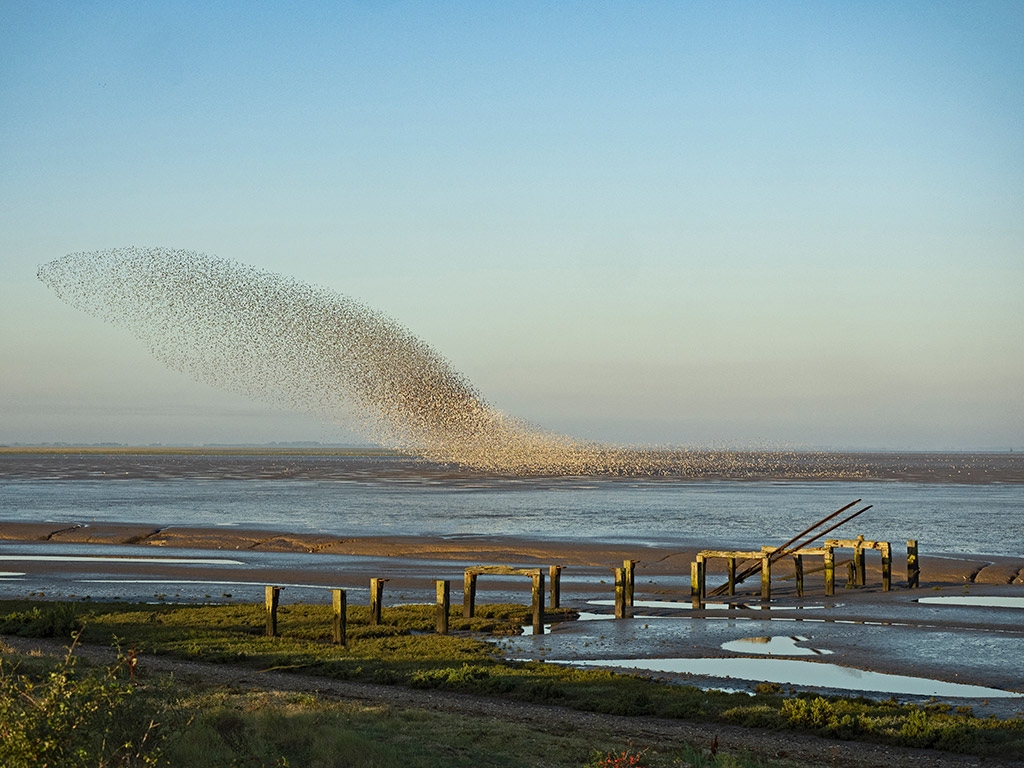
654,560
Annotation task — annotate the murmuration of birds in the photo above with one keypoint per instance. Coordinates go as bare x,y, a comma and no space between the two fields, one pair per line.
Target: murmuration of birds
298,346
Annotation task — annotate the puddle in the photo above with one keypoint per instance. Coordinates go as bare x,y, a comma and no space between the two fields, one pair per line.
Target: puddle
688,606
260,584
978,601
10,574
773,646
97,559
802,673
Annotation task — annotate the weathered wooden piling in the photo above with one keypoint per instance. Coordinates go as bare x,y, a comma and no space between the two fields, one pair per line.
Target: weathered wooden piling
443,605
886,566
376,600
629,574
697,583
766,577
913,566
860,577
830,571
798,574
621,607
851,574
273,595
340,609
555,576
731,570
538,602
468,594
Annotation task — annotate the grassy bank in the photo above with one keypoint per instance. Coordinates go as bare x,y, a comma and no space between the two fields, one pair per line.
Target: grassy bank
405,651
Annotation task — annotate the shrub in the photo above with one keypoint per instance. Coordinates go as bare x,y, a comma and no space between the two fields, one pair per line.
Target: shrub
62,718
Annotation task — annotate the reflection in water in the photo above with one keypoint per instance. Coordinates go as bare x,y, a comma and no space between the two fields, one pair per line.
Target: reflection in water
773,646
98,559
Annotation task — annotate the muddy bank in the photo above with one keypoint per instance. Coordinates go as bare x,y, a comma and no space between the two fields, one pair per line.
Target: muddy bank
654,560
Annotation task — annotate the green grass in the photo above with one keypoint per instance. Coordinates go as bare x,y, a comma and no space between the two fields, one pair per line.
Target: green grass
405,651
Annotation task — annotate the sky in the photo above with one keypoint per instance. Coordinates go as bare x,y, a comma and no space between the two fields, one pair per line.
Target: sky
703,223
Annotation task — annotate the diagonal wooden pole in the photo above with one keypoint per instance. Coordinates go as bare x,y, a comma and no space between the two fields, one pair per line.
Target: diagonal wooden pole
780,551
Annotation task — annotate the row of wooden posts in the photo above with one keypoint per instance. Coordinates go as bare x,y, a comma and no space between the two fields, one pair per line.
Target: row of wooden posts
857,566
624,583
340,601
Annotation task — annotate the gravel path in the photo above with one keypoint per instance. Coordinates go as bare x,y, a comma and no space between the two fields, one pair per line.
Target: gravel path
801,748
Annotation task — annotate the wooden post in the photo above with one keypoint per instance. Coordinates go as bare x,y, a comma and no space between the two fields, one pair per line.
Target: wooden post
798,574
376,600
913,566
886,566
696,577
830,571
851,574
859,562
538,603
732,575
468,595
620,593
629,574
443,604
766,578
273,595
340,609
555,574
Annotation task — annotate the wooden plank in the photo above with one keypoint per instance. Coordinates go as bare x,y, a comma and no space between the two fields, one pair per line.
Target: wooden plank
443,605
503,570
727,553
340,609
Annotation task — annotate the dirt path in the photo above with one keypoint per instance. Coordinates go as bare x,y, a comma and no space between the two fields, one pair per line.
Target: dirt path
801,748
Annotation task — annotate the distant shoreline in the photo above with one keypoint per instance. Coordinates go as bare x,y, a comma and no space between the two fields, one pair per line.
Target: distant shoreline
198,450
948,467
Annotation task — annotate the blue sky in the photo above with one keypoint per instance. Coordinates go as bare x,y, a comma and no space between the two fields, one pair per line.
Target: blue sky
681,223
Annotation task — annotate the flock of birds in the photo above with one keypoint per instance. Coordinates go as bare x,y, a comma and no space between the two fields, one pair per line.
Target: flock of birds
299,346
